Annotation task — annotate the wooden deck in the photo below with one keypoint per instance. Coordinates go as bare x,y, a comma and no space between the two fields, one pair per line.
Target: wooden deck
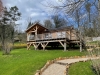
62,41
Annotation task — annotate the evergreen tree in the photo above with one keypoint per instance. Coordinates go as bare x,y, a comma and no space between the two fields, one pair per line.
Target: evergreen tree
7,28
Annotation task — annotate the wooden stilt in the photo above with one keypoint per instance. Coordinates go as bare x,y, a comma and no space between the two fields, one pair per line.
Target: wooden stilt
80,46
36,45
61,43
28,46
64,45
44,45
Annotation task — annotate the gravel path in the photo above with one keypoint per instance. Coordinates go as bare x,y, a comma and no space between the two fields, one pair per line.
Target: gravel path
55,69
59,67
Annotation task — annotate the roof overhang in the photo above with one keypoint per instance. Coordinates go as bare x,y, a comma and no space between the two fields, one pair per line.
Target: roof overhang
40,27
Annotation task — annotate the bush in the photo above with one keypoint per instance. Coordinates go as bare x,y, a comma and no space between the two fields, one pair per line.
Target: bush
19,45
16,45
7,48
96,69
95,51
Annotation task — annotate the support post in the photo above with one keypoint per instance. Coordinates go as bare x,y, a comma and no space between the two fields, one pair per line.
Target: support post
28,46
28,36
80,46
70,34
61,43
36,45
44,45
36,33
64,46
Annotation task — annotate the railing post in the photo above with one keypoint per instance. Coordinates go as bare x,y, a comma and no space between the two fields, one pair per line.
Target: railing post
28,37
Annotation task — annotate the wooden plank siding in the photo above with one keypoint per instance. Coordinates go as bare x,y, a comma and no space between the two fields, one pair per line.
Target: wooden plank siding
53,35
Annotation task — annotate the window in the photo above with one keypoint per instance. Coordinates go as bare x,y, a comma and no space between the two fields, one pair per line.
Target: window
47,35
61,34
31,37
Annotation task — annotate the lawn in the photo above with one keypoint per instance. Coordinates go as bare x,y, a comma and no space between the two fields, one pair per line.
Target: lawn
26,62
81,68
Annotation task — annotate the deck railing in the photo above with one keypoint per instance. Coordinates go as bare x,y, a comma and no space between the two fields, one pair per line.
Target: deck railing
52,36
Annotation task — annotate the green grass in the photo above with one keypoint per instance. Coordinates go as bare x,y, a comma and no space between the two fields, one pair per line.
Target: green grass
81,68
26,62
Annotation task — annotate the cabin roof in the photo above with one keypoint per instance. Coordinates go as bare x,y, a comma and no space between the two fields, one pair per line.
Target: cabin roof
61,29
40,27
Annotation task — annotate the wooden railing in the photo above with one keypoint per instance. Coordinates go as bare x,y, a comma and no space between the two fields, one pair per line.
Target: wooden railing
52,36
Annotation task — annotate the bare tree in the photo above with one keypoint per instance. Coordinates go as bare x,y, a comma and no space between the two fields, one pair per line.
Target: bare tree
73,8
29,24
59,21
48,24
77,17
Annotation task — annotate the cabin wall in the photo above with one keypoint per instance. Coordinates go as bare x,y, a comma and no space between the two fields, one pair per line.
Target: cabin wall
54,34
68,35
74,35
60,34
71,35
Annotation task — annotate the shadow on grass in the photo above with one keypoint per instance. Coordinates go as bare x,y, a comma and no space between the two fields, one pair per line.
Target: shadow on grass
60,48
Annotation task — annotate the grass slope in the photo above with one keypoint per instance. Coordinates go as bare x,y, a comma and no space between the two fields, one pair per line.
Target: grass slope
26,62
81,68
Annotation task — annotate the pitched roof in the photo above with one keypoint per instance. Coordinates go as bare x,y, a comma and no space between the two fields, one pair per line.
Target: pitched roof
41,27
62,28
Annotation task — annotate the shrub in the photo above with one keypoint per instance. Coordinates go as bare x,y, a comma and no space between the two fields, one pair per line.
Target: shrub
19,45
7,48
96,69
95,51
15,46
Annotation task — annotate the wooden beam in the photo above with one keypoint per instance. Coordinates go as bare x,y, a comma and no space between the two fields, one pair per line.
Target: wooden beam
70,35
32,31
28,46
44,45
49,41
37,27
64,45
36,45
36,33
28,37
61,43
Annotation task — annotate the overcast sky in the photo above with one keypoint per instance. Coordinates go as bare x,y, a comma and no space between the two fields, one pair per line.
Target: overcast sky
32,9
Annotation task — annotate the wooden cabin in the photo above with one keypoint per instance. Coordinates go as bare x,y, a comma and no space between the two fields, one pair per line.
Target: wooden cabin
40,36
